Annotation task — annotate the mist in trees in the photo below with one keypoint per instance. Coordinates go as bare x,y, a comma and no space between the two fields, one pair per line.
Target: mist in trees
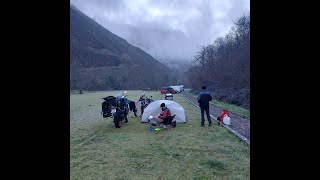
224,65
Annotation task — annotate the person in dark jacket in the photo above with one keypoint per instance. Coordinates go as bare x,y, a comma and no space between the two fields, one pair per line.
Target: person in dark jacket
203,99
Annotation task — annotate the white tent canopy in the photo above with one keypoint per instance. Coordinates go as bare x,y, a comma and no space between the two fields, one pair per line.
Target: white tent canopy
154,108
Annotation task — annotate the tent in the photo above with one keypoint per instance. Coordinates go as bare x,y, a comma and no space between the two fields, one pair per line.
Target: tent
154,108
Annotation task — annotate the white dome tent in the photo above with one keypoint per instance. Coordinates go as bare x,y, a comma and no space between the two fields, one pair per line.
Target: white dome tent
154,108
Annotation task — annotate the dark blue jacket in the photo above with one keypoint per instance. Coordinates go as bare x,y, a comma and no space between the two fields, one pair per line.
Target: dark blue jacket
203,99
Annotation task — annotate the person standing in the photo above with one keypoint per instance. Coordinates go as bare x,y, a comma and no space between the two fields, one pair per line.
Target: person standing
203,99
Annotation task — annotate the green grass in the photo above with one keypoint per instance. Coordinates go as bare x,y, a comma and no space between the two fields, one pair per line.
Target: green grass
230,107
100,151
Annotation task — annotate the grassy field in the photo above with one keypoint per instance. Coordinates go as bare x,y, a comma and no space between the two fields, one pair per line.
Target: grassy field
232,108
100,151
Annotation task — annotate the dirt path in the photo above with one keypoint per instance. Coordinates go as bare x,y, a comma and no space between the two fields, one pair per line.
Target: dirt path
239,125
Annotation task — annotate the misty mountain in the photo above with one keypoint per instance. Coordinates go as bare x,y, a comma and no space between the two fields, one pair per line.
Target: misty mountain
160,43
100,59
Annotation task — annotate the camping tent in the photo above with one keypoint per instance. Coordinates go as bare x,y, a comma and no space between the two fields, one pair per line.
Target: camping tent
154,108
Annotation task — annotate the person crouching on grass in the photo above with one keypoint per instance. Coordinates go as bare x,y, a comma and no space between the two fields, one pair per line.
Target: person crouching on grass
165,113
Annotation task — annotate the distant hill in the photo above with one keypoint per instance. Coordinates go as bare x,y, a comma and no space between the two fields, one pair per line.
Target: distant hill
100,59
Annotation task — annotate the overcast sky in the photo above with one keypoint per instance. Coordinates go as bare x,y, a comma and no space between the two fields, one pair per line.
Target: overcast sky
167,29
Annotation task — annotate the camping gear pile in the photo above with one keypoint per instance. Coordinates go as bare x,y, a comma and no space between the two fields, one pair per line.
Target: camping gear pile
224,118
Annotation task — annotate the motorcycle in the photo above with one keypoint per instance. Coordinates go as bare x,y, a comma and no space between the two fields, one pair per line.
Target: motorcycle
145,101
115,109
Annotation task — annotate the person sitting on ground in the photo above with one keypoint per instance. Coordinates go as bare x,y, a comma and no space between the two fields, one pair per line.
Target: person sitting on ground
165,113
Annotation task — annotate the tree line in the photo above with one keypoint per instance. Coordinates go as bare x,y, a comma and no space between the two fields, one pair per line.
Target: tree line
225,64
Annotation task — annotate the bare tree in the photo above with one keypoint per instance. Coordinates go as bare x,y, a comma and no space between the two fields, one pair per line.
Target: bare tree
226,62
